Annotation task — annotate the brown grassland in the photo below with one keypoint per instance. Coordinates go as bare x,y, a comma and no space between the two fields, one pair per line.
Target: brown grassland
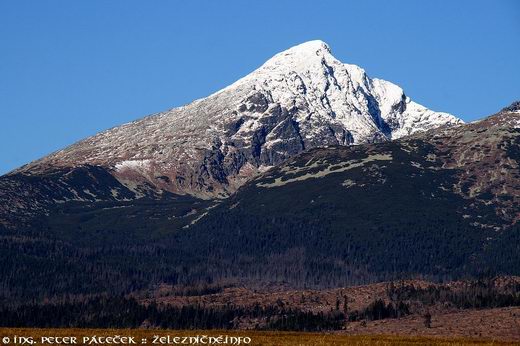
257,337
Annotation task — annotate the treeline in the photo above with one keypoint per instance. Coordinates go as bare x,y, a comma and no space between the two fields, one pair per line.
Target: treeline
478,294
121,312
193,291
378,310
296,320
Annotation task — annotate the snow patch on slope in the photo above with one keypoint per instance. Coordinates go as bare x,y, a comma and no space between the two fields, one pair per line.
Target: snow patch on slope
133,165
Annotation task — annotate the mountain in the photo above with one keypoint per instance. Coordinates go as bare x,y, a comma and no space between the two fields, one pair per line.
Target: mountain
441,204
300,99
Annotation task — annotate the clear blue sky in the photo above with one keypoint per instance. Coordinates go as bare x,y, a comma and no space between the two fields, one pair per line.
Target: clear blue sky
69,69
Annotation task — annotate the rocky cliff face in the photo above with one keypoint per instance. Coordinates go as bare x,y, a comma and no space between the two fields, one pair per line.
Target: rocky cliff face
299,99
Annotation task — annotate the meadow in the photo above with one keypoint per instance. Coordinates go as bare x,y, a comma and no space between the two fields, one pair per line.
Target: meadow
146,336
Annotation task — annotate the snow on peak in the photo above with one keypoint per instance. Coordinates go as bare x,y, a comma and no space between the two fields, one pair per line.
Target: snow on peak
313,45
513,107
310,49
304,57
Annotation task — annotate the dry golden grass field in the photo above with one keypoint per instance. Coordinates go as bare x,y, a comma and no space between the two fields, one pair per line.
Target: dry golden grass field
257,338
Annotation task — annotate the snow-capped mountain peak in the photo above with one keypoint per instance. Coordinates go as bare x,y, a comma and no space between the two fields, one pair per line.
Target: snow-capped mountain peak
308,75
301,56
299,99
